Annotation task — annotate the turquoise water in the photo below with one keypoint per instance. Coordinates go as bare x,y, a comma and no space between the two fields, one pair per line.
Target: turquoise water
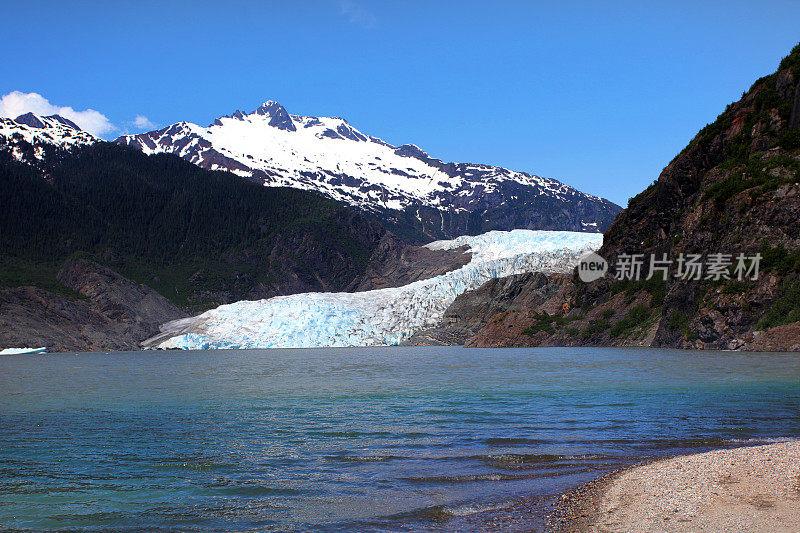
365,439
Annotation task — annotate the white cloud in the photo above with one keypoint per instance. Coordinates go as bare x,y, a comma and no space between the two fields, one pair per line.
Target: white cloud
357,14
144,123
17,103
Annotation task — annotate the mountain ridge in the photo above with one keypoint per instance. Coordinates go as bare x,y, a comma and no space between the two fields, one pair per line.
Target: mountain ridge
29,136
416,195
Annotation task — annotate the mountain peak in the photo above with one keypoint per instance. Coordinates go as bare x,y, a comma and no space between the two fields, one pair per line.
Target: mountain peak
421,197
34,121
65,121
279,118
269,107
30,129
29,119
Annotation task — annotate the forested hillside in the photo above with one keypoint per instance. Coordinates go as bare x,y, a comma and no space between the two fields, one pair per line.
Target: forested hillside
198,237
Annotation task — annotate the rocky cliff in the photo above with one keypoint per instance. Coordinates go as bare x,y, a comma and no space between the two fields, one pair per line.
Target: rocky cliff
395,263
735,189
106,312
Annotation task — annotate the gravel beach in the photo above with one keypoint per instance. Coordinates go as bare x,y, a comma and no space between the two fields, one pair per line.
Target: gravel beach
751,489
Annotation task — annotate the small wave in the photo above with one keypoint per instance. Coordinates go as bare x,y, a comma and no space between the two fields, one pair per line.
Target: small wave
767,440
445,513
200,466
361,458
513,441
524,459
255,491
334,434
694,442
90,520
466,478
471,509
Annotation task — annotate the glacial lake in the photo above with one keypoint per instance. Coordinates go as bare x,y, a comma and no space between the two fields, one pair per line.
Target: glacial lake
360,439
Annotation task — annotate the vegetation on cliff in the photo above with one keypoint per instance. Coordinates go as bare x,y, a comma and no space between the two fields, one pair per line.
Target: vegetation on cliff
734,189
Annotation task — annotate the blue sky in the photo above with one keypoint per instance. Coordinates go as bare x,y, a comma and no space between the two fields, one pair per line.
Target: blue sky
600,95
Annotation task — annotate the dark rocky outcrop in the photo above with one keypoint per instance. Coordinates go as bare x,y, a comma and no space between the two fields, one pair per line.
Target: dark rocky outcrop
472,210
112,313
137,306
29,119
395,263
279,118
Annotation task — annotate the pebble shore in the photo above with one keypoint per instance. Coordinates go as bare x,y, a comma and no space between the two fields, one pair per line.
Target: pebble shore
750,489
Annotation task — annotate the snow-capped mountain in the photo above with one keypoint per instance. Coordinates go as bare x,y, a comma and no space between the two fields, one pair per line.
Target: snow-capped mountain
402,184
28,135
382,316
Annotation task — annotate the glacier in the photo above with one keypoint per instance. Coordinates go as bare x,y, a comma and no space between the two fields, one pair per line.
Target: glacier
379,317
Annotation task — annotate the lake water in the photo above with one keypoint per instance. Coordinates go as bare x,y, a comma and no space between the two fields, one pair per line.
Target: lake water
365,439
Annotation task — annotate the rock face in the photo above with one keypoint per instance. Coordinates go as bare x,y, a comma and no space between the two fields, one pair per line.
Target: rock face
475,315
735,189
138,307
395,263
114,314
418,197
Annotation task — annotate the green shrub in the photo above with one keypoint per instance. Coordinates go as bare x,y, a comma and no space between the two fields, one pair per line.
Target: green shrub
537,327
596,326
656,286
636,316
632,202
790,140
751,174
779,258
736,287
786,309
792,61
678,319
547,323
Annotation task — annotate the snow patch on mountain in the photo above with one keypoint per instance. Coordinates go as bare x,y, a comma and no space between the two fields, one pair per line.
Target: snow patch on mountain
378,317
26,135
328,155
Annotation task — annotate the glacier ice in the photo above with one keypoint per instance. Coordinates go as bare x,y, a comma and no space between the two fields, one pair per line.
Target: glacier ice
383,316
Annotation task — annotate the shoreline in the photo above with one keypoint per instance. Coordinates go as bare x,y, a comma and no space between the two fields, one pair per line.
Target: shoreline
750,488
577,510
